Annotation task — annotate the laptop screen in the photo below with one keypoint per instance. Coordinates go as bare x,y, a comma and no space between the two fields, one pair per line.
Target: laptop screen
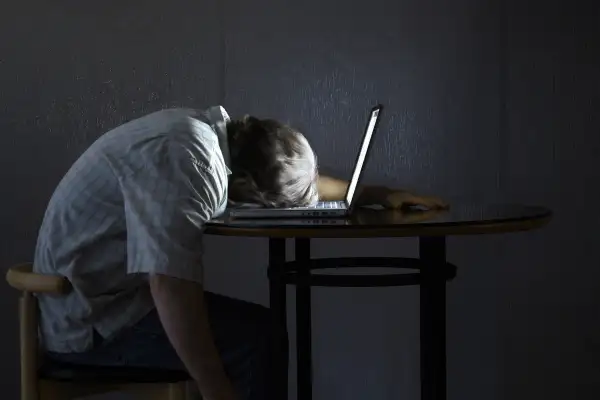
362,154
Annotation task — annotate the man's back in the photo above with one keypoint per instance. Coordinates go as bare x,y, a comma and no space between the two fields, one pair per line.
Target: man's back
84,235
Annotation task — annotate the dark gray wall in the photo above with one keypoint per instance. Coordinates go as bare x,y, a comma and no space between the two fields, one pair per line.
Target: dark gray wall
487,101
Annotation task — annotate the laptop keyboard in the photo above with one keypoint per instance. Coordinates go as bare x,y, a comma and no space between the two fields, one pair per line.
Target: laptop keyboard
327,205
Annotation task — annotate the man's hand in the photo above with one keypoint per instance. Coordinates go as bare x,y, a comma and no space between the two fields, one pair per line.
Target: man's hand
398,199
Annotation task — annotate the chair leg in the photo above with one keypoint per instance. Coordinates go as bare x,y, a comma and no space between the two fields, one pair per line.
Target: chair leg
161,391
177,391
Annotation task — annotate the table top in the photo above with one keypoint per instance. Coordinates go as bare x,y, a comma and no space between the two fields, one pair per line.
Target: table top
460,219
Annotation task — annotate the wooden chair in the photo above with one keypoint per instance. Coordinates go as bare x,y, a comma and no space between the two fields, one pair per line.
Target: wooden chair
46,380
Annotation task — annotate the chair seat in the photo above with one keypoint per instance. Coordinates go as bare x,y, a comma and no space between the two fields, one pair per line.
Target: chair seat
66,372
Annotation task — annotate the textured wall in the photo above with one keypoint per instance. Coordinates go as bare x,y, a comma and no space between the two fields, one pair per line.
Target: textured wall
549,333
486,101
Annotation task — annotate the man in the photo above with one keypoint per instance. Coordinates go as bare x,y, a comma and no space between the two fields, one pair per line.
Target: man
125,227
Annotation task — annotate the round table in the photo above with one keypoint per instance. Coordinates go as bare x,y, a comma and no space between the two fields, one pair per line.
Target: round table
431,227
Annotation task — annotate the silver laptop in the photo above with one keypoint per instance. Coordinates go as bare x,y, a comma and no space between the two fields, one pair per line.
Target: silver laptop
323,208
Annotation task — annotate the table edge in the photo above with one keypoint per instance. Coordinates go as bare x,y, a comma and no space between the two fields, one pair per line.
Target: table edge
449,229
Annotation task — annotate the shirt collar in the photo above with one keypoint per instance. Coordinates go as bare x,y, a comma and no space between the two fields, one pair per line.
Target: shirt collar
219,118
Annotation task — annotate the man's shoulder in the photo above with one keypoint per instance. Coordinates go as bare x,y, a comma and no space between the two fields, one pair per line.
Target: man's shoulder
166,119
210,115
200,133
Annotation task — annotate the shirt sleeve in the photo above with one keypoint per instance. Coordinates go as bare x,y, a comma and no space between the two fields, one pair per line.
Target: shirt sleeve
167,204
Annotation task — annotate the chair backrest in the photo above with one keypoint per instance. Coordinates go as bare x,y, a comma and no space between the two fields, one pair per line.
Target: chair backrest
22,277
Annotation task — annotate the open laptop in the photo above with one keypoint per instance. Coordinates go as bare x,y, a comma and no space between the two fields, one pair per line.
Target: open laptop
323,208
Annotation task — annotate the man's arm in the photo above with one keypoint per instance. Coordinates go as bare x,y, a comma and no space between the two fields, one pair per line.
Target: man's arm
182,311
167,204
332,189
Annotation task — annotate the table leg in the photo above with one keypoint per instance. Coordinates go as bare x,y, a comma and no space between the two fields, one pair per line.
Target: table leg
303,322
277,293
432,250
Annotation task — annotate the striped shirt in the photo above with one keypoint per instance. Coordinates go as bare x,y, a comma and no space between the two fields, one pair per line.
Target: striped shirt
134,203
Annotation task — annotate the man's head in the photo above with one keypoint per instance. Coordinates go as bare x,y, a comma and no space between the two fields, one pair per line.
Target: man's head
272,164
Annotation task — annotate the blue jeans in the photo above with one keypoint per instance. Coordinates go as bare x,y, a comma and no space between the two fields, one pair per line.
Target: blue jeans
242,333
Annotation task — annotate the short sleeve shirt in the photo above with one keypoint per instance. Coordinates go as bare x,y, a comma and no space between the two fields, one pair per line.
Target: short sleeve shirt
133,204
